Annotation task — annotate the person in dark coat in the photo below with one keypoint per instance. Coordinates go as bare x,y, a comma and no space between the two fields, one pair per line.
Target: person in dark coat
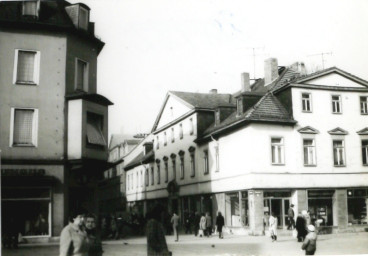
220,222
291,225
197,220
95,245
310,242
156,242
300,227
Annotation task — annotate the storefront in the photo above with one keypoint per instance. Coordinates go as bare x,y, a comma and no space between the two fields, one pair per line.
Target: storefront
320,206
277,202
357,206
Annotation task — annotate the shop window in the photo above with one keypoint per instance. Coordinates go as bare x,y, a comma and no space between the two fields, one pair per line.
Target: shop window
306,102
81,75
364,105
336,104
277,150
232,207
339,152
24,127
365,152
26,67
309,152
94,130
357,206
320,206
35,202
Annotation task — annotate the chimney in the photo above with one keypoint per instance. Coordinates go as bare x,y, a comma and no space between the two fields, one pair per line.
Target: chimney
213,91
299,67
245,82
271,71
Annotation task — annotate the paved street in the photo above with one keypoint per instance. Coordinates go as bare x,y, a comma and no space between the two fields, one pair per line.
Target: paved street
336,244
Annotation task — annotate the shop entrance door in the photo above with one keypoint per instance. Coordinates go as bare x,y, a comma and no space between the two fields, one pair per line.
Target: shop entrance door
279,206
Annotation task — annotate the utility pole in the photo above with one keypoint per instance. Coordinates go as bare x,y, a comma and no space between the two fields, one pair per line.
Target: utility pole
322,55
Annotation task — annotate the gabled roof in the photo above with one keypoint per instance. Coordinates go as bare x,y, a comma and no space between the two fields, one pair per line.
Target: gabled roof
267,109
205,100
118,139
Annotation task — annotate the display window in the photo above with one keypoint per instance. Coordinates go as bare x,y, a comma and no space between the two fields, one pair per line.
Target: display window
320,207
29,209
357,206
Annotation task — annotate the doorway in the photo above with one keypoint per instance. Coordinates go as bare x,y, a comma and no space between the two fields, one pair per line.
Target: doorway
279,206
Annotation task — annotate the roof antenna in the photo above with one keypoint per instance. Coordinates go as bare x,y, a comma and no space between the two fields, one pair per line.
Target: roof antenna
322,55
254,58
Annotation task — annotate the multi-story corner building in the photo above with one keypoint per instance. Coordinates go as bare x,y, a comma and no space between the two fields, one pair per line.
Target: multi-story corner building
290,138
53,122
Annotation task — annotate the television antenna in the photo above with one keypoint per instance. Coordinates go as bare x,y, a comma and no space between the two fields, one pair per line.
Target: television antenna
322,54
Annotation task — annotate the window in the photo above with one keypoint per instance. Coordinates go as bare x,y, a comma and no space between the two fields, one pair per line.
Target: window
83,19
306,102
158,173
146,177
152,176
30,8
239,108
94,130
364,105
165,139
142,179
365,152
173,159
23,127
181,131
136,185
166,171
217,156
339,152
182,166
192,164
81,78
357,206
27,67
172,135
191,126
157,142
277,149
309,152
206,164
336,104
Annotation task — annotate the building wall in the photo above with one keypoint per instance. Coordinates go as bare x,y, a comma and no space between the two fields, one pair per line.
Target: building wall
47,96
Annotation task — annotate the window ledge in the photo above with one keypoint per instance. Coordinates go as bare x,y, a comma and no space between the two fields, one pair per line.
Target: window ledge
310,165
24,145
25,83
304,111
337,113
339,165
278,164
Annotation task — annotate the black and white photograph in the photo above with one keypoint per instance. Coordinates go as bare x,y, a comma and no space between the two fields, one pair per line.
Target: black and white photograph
184,127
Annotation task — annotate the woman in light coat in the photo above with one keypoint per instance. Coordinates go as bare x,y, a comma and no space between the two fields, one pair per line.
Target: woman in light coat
202,225
273,226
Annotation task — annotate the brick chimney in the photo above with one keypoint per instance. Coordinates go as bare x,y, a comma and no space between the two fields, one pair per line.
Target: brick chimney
245,82
271,71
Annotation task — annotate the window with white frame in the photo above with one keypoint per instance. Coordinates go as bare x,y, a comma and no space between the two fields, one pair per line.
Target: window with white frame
339,152
165,139
277,150
181,131
365,152
173,160
81,75
146,177
152,176
192,163
137,183
23,127
364,105
157,142
142,179
309,150
26,67
172,135
166,170
158,173
206,163
191,126
95,130
217,157
306,102
30,8
336,104
182,166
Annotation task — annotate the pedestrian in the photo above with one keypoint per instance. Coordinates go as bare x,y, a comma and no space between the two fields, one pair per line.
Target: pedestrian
273,227
266,222
208,224
95,248
300,228
113,227
202,225
73,237
175,224
310,242
156,242
291,215
220,222
197,220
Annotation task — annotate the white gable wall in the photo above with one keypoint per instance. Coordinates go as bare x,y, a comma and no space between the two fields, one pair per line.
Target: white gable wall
174,108
334,80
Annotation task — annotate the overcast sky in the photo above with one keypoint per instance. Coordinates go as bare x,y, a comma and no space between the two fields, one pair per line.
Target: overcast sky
154,46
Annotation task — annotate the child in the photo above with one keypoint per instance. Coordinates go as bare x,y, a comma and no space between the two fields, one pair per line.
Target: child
310,242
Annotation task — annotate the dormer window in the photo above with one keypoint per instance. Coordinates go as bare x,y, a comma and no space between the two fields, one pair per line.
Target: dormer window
30,8
79,14
217,117
239,108
83,18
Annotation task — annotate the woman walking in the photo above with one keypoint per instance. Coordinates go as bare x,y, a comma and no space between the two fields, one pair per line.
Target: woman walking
202,225
273,227
73,238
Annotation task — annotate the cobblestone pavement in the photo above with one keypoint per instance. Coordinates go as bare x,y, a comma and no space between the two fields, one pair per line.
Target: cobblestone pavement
336,244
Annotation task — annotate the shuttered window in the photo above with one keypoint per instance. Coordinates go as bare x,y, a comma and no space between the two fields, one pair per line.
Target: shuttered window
26,67
94,130
23,127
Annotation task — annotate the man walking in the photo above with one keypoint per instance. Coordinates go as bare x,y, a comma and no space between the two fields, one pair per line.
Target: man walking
220,222
291,215
175,223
